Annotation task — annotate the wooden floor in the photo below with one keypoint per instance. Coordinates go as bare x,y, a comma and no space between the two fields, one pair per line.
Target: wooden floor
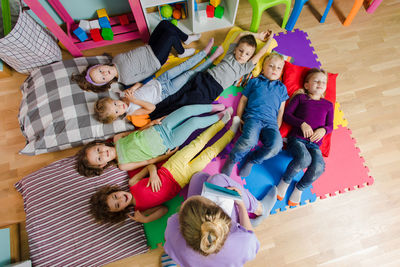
358,228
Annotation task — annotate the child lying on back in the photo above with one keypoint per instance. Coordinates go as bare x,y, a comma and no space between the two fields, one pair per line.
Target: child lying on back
141,99
205,87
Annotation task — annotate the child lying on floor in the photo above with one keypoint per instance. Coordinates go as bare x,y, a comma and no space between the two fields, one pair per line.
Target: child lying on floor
261,109
312,118
141,99
136,149
151,187
138,64
206,86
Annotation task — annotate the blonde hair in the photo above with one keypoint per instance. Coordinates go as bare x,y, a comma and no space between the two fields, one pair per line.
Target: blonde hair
205,227
102,112
272,55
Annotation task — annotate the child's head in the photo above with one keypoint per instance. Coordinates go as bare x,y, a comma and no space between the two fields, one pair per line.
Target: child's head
108,204
95,157
96,78
273,66
245,48
204,225
108,110
315,82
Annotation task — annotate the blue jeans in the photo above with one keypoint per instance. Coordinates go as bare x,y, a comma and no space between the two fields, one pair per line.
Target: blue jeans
172,80
254,130
306,154
176,127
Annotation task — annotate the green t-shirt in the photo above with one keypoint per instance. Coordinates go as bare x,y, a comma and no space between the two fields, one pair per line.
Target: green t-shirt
139,146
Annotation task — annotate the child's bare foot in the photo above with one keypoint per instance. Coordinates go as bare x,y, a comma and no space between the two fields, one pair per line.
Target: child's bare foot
191,38
210,44
187,53
219,51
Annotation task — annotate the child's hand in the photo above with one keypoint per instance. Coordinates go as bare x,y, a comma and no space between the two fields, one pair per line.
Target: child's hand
130,96
158,121
318,134
241,125
155,182
265,35
307,130
138,216
171,152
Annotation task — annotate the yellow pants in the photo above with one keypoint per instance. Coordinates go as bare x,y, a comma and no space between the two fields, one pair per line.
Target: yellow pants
183,165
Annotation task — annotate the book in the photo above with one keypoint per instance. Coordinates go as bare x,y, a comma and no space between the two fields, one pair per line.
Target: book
221,196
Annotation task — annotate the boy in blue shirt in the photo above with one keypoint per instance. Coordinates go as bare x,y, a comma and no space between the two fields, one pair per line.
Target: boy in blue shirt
261,110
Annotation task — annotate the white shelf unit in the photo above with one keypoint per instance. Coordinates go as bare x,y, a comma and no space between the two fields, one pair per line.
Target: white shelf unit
192,24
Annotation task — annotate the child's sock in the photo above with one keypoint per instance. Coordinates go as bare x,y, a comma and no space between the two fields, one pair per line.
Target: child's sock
207,49
228,167
235,124
282,187
217,107
192,38
219,51
226,115
295,197
267,204
166,261
246,169
188,52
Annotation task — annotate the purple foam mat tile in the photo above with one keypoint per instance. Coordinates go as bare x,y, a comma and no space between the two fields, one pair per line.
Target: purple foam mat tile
297,45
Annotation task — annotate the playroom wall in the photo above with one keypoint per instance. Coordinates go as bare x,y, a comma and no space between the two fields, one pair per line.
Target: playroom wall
85,9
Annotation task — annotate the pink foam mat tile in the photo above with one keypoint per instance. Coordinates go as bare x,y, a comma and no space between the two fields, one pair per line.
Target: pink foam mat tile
345,169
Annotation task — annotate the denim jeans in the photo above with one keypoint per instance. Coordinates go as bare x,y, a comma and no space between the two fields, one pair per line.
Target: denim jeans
172,80
306,154
254,130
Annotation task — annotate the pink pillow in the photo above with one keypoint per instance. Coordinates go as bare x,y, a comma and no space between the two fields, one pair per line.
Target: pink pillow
293,78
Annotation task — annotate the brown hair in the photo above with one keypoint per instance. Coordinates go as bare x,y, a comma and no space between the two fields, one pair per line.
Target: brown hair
101,112
313,71
82,163
248,39
205,227
80,79
99,208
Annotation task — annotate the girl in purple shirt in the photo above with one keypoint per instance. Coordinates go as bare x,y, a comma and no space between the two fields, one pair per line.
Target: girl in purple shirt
311,117
202,234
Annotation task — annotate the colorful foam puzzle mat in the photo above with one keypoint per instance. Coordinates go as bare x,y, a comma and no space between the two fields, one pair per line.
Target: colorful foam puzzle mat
344,171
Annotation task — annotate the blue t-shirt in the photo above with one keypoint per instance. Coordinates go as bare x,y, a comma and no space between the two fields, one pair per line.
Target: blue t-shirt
264,99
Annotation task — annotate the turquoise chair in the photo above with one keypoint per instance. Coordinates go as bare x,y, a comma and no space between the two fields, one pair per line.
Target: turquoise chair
298,6
259,6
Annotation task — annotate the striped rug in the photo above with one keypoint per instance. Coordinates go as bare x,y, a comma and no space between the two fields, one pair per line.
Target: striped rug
60,230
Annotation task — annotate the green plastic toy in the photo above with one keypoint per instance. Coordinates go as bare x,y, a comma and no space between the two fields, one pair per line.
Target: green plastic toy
219,12
166,11
107,34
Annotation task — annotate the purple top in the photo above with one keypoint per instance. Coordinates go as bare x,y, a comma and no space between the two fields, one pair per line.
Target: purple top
316,113
240,246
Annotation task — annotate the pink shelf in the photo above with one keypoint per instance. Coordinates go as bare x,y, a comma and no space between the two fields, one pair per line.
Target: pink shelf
137,29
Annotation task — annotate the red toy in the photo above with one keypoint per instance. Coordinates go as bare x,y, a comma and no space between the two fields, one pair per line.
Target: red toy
123,19
210,11
95,34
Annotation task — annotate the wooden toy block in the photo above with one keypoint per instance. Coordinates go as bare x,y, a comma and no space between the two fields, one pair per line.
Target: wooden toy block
94,24
202,16
102,13
123,20
210,11
107,34
84,25
104,22
215,3
81,34
219,12
95,34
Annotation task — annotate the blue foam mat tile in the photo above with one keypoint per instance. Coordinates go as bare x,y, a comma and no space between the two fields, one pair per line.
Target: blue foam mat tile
269,173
